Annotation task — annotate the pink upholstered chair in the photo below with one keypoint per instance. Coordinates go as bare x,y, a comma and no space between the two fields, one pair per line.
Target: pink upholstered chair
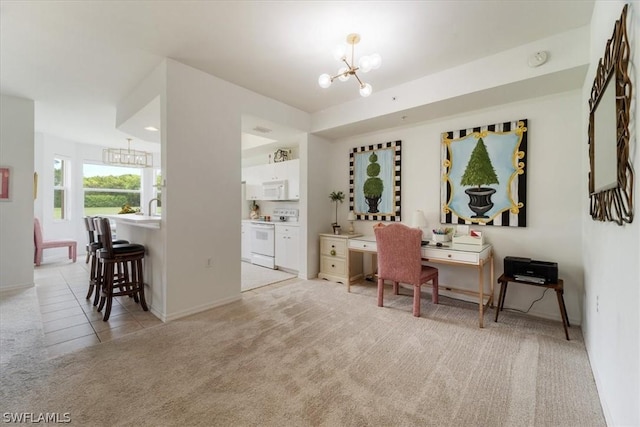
47,244
400,261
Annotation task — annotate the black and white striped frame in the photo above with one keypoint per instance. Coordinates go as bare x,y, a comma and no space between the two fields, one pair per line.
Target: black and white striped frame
392,216
513,216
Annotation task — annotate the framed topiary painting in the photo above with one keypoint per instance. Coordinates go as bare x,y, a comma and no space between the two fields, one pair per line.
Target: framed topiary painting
374,181
484,175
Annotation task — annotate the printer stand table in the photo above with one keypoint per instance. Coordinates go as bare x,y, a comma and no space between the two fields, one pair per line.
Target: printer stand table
558,287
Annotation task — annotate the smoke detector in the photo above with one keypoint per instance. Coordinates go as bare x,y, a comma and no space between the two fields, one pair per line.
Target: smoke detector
537,59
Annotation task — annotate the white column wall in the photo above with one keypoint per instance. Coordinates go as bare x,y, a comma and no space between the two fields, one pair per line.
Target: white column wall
201,163
16,215
611,253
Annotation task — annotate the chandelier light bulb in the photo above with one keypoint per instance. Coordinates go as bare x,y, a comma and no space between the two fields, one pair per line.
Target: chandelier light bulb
343,74
376,61
324,81
365,64
365,90
339,52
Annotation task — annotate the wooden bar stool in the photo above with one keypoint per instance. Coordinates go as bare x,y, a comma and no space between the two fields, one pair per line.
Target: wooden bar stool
130,278
92,247
558,287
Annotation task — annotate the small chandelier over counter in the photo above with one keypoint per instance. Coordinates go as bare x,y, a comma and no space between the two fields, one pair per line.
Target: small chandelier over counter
127,157
365,64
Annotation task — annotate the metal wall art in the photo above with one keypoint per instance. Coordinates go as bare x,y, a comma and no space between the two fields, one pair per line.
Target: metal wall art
611,176
484,175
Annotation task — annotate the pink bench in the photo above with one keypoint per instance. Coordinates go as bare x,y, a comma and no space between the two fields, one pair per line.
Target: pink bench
47,244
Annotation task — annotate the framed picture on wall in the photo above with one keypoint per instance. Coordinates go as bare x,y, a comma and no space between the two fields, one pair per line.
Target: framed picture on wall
484,175
5,183
374,181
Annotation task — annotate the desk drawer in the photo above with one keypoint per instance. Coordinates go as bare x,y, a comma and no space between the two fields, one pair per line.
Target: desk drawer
363,245
333,266
328,244
454,256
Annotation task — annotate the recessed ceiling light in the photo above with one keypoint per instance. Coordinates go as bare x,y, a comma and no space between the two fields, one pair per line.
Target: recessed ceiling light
151,129
262,129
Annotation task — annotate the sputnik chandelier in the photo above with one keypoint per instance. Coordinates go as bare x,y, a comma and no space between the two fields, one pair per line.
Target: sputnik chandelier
365,64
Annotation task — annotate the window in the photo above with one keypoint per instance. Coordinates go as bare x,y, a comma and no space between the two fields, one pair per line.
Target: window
157,186
107,189
60,209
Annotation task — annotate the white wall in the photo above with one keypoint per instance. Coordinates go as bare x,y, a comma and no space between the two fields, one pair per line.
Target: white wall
553,213
318,183
611,254
16,216
201,163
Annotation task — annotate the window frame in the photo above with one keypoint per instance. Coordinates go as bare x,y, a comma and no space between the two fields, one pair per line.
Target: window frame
62,187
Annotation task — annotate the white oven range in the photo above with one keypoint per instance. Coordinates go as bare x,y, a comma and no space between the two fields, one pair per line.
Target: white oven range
263,244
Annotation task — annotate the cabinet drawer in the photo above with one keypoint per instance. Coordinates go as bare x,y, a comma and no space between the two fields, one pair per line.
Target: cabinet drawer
457,256
328,244
367,245
334,266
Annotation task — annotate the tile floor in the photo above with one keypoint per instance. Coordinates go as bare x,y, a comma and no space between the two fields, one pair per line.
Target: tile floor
71,322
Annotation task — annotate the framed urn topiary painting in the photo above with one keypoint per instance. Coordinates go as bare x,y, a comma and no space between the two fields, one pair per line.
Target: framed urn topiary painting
484,175
374,181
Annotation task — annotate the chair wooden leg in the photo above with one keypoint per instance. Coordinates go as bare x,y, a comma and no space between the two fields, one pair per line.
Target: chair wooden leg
396,288
380,291
92,276
434,290
140,280
416,300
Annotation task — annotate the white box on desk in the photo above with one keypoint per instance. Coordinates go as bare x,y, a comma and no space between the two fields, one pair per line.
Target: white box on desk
469,242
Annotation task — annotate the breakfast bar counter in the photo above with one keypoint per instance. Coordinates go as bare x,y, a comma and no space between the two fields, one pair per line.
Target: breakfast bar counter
145,230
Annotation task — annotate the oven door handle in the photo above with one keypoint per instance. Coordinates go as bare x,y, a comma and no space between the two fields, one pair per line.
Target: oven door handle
263,226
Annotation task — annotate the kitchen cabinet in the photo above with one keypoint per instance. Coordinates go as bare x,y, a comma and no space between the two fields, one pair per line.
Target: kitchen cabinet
255,176
253,182
288,246
246,241
336,263
293,176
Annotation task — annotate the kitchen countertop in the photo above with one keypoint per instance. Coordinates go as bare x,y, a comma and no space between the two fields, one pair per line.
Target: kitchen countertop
145,221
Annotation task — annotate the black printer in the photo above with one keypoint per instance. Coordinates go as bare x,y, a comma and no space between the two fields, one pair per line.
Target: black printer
529,270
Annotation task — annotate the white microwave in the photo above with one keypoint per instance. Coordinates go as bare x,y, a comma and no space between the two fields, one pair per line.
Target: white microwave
274,190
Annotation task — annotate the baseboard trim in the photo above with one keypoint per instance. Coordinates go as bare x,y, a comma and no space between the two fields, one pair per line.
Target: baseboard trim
16,287
200,308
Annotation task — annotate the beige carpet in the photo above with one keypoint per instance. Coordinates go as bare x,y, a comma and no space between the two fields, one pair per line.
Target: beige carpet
307,353
255,276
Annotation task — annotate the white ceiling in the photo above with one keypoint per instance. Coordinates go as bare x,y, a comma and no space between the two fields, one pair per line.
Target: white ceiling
78,59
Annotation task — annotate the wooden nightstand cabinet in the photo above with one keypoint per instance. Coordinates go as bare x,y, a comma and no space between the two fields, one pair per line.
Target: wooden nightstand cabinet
336,263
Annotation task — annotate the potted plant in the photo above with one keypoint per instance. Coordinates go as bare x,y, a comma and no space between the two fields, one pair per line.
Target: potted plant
373,186
336,197
479,172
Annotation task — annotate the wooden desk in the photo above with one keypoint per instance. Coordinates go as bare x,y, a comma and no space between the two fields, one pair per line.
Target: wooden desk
449,256
558,287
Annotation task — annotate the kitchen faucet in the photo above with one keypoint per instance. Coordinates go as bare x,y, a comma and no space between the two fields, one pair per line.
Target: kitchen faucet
151,201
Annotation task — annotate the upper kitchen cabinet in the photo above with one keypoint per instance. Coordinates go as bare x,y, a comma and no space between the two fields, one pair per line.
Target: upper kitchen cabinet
256,176
292,168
